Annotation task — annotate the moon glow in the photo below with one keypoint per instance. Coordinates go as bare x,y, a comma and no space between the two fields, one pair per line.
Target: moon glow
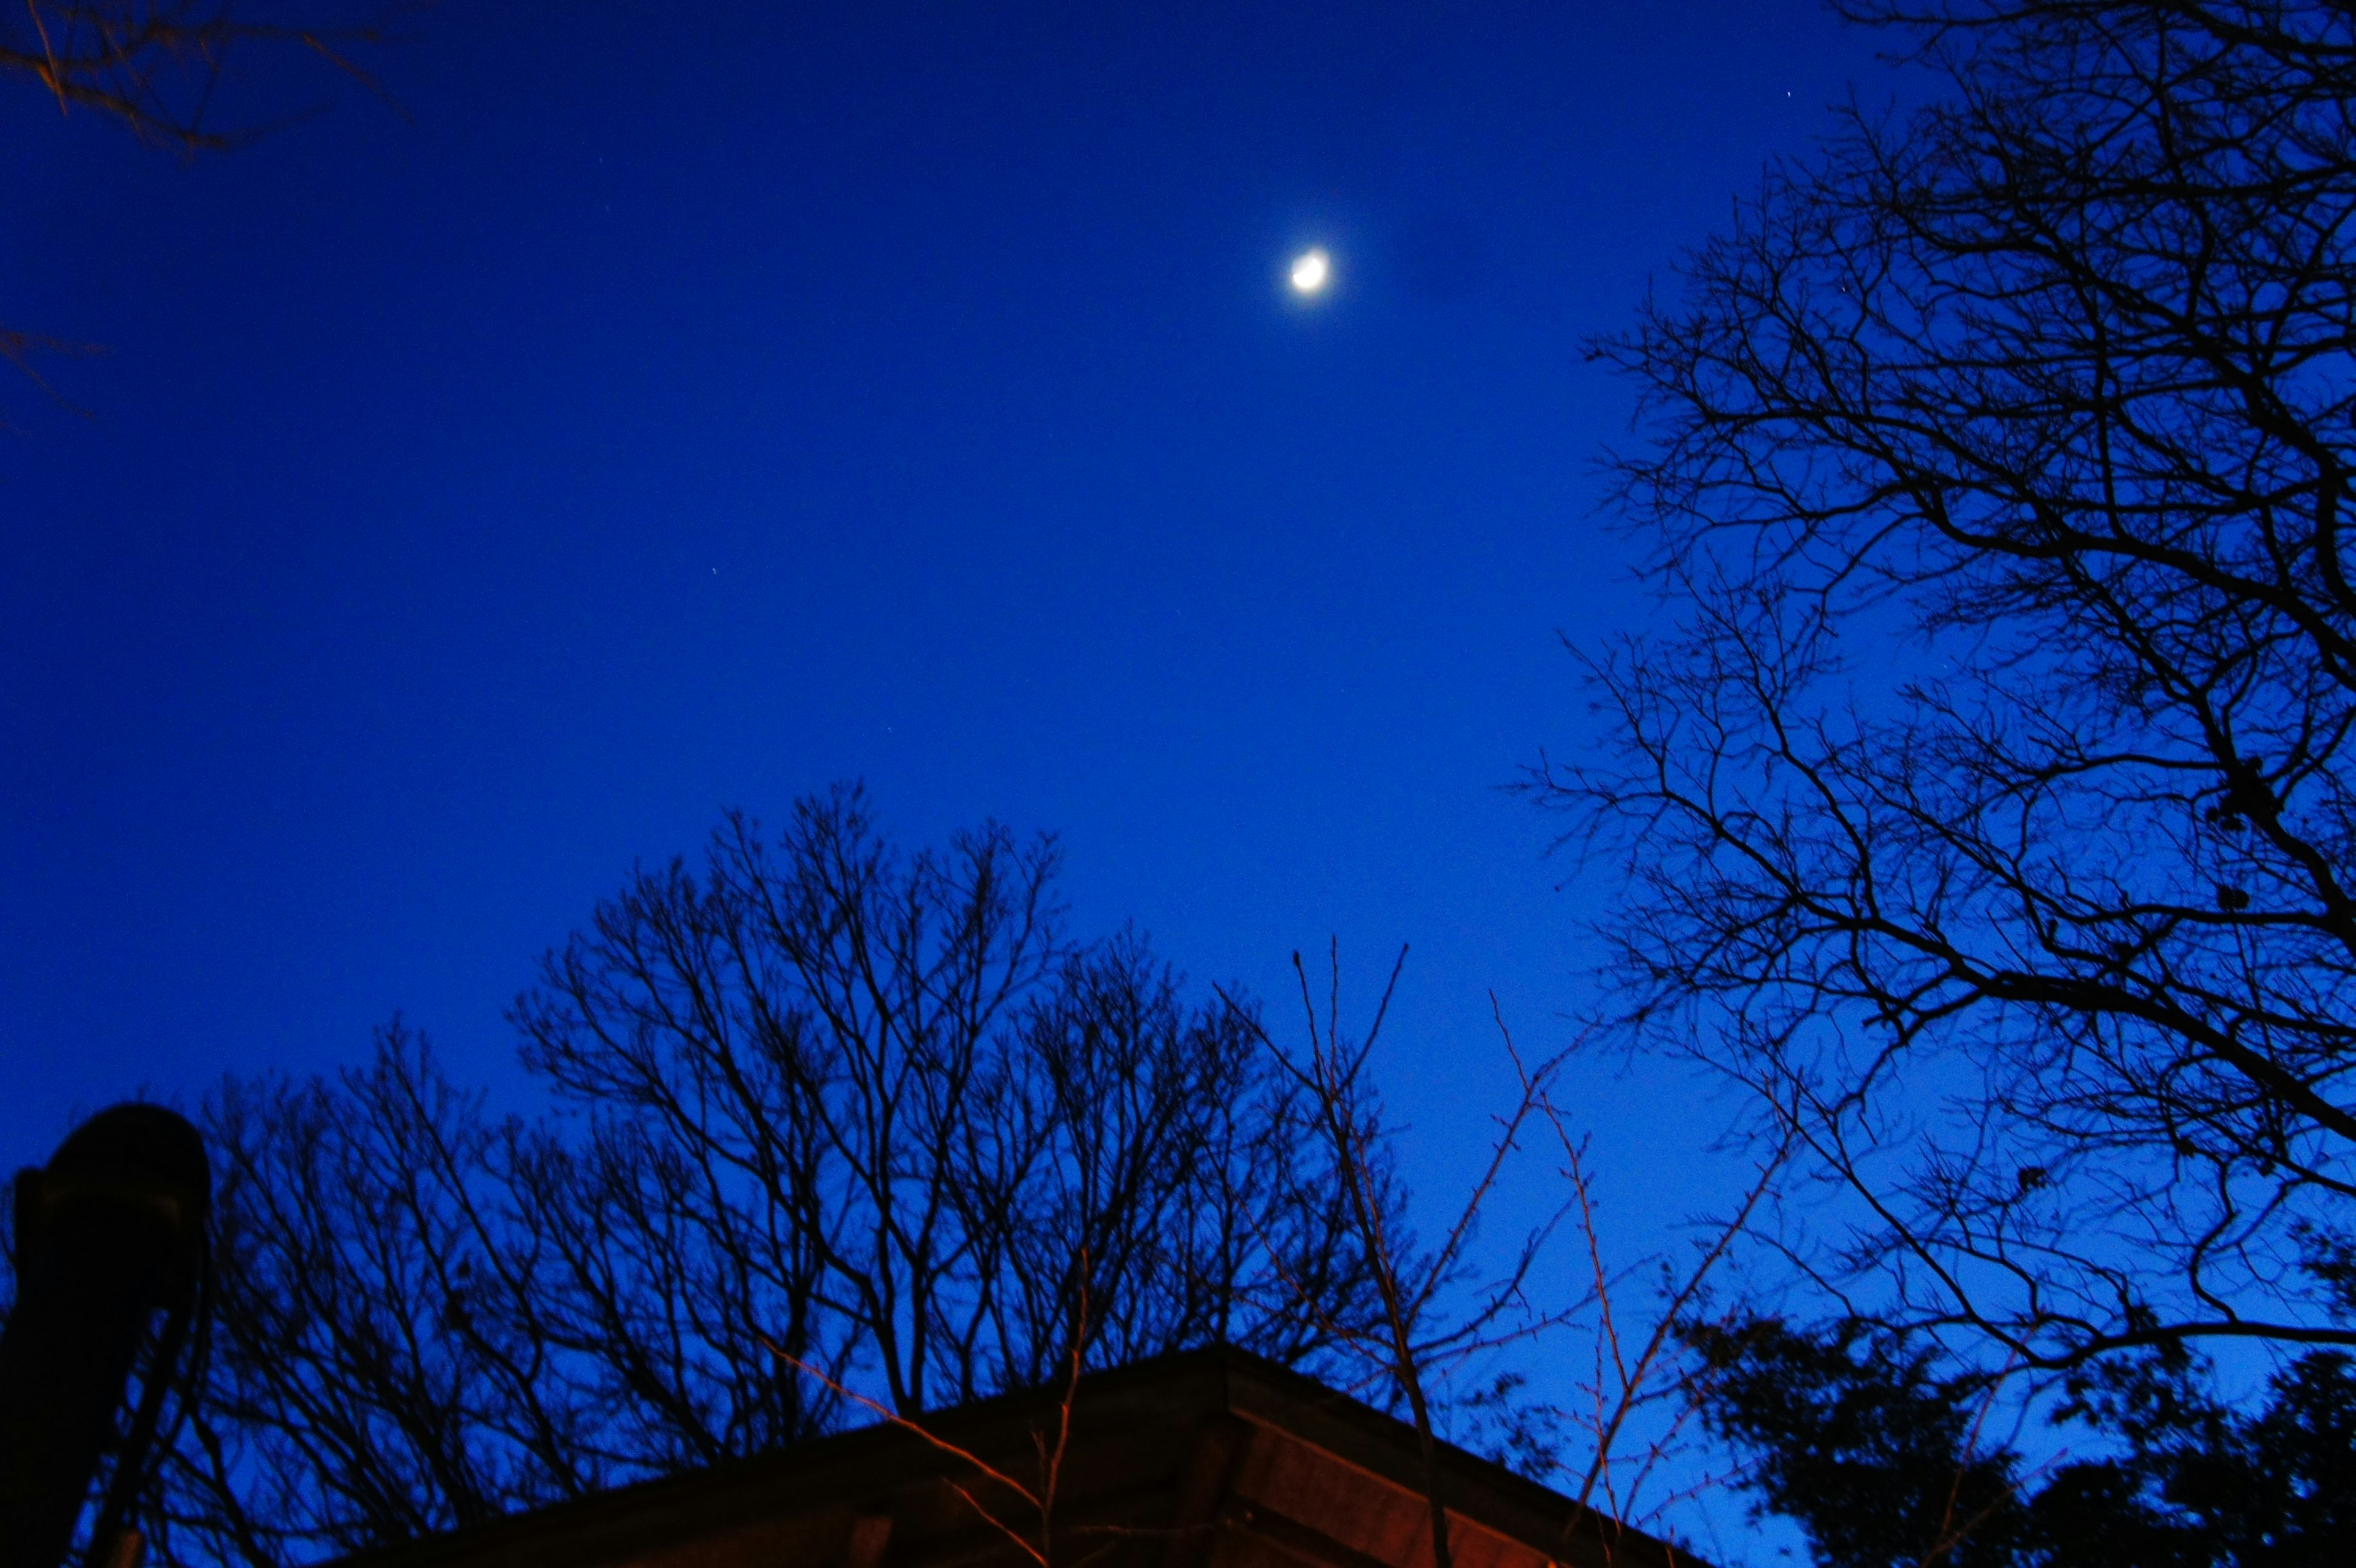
1312,270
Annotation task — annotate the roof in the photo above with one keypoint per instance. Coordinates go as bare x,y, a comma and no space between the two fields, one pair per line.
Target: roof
1210,1458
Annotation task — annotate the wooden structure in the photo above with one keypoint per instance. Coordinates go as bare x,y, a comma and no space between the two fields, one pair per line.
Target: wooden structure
1205,1459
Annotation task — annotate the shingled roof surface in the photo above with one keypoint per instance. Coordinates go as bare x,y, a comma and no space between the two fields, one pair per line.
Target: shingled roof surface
1205,1459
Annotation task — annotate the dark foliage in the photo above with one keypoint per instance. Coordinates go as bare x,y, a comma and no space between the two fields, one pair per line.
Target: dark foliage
1883,1459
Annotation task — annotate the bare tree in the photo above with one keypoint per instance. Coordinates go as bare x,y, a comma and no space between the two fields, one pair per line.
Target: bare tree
1448,1318
825,1107
153,67
2032,926
902,1067
1423,1331
1641,1383
369,1380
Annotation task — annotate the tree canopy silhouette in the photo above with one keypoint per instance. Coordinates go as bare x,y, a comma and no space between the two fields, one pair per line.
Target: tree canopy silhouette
1884,1455
1990,814
876,1109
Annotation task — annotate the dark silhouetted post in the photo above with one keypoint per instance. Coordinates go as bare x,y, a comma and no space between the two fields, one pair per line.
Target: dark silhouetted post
108,1233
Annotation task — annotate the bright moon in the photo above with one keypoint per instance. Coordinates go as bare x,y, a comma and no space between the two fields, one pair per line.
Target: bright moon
1312,270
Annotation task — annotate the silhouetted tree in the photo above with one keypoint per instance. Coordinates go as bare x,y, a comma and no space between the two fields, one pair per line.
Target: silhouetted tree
1879,1450
1444,1318
155,68
1991,813
874,1109
377,1367
1428,1324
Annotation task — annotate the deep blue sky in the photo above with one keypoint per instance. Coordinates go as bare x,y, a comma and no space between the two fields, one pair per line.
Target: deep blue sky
688,406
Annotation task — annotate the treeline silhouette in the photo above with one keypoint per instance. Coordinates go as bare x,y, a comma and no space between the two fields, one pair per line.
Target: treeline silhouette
879,1109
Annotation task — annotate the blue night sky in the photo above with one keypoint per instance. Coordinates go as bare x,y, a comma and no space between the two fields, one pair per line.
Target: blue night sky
686,407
